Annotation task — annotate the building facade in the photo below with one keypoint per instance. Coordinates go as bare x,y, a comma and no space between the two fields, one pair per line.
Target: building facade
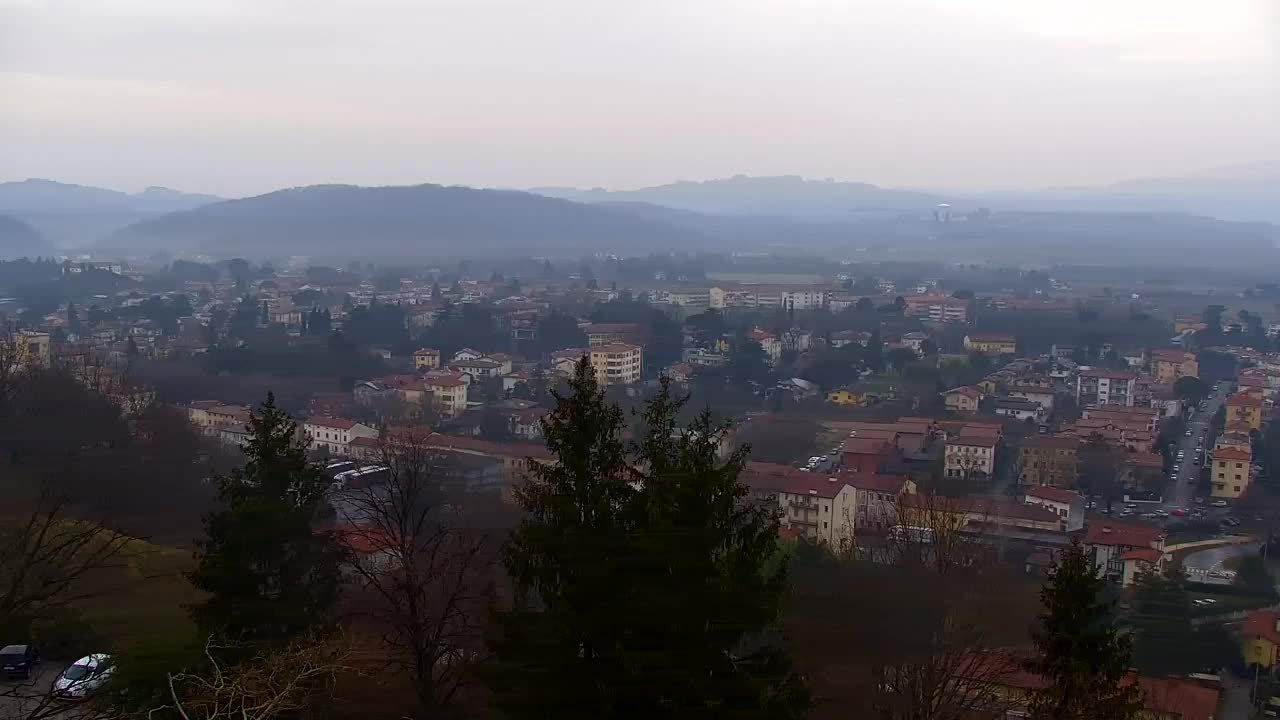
1098,386
616,363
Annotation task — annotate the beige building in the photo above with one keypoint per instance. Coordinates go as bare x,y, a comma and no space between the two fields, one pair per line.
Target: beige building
334,434
616,363
426,359
970,457
1229,476
448,394
1169,365
30,348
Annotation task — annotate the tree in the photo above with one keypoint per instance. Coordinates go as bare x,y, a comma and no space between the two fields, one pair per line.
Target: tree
557,648
1191,389
747,364
269,576
73,319
899,358
428,592
864,304
928,347
1080,654
1162,624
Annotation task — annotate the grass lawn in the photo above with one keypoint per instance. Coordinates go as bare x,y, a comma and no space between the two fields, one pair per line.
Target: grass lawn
142,600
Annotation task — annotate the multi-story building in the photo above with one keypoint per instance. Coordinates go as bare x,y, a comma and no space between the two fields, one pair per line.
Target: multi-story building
937,308
1245,409
970,456
1169,365
807,298
1050,460
448,393
1099,386
334,434
608,333
29,348
769,342
616,363
426,359
1260,639
1120,551
1229,474
995,344
1068,505
964,399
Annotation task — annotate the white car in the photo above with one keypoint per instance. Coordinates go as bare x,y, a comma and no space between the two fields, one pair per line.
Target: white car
83,677
1219,503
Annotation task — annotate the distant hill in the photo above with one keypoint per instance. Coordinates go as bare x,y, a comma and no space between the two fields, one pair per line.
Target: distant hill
344,221
785,196
18,239
74,215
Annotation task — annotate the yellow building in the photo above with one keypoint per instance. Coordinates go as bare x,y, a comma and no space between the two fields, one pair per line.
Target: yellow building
616,363
1230,472
995,344
1260,638
30,348
1169,365
1245,408
844,396
426,359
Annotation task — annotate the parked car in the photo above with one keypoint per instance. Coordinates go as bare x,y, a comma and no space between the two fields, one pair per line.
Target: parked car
1219,503
1180,512
17,661
82,677
1188,433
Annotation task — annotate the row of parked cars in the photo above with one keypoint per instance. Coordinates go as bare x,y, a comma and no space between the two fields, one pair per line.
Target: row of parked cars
76,681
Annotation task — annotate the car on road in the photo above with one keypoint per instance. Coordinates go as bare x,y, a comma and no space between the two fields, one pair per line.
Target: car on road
17,661
1180,512
1188,433
82,677
1219,503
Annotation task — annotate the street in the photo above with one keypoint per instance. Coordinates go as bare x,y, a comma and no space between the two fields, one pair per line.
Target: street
1181,490
1201,565
31,698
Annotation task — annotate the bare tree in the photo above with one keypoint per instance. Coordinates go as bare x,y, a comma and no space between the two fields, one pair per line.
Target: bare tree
269,685
425,567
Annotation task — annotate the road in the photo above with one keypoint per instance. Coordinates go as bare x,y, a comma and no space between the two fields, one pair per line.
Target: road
1201,563
30,698
1182,488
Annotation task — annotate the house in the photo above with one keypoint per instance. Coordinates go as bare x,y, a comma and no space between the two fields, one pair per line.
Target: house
1042,396
1050,460
976,512
970,456
842,338
875,500
448,393
334,434
1229,473
616,363
964,399
1100,386
1245,409
816,506
991,344
769,342
466,354
565,362
844,396
1120,551
1018,409
426,359
478,368
1169,365
1260,639
371,548
867,454
680,372
1066,504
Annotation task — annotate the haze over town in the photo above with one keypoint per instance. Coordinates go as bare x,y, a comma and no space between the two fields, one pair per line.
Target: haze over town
881,359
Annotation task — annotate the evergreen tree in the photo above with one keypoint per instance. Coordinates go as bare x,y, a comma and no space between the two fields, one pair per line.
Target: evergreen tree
435,291
268,575
1080,655
73,319
1162,624
131,349
264,317
703,600
557,650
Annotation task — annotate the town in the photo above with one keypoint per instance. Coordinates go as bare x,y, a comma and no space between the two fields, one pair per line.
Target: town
882,403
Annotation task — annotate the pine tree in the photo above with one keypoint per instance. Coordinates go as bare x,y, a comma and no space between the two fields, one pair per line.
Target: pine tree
1162,624
1080,654
557,650
268,575
703,602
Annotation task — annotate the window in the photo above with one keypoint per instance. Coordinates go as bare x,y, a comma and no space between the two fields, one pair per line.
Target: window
824,508
824,526
1236,488
1238,466
1222,476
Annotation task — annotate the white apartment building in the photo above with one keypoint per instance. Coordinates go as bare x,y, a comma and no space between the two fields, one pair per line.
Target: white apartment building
812,298
334,434
617,363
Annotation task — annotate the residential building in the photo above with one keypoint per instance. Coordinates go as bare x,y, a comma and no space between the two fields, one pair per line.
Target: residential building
1120,551
1042,396
1100,386
1163,698
865,454
849,337
1245,409
609,333
448,393
1129,418
1050,460
813,505
875,500
970,456
844,396
805,298
334,434
466,354
975,512
937,308
565,362
1229,474
1068,505
964,399
479,368
616,363
915,340
1260,639
1018,409
1169,365
426,359
991,344
769,342
30,348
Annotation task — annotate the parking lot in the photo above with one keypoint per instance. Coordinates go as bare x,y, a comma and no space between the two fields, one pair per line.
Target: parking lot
28,698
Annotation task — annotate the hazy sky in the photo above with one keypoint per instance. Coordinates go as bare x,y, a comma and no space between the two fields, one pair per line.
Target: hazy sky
243,96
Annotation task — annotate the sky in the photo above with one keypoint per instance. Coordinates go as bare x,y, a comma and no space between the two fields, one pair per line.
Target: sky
238,97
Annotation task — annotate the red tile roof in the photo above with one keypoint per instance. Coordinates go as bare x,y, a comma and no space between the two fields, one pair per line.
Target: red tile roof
1111,374
867,446
874,482
1108,532
815,484
1060,442
1150,555
1262,623
332,422
1180,698
1245,399
1052,493
1230,453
